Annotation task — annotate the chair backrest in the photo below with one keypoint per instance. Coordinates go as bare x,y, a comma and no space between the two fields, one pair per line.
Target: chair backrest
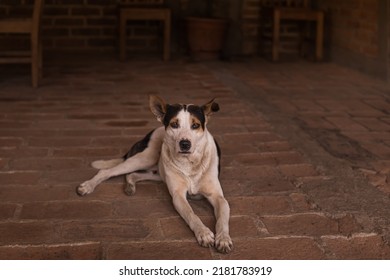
287,3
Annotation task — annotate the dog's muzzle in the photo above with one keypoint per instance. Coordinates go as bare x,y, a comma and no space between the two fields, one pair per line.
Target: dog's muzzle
185,146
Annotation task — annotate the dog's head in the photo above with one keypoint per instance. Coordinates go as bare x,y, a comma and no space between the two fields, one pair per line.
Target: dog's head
185,125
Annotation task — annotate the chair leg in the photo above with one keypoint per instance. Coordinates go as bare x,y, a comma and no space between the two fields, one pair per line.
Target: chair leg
276,36
320,36
167,36
40,64
122,37
34,61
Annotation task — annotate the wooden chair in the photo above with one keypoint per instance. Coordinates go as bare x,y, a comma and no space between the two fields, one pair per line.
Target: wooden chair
293,10
144,10
30,26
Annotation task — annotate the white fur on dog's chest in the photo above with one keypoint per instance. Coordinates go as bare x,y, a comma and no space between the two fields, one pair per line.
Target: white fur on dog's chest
192,181
191,169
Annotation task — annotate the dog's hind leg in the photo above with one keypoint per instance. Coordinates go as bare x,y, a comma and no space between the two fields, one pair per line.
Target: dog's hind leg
141,161
133,178
105,164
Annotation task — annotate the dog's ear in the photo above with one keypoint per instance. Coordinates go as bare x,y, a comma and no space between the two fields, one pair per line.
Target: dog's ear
158,107
210,107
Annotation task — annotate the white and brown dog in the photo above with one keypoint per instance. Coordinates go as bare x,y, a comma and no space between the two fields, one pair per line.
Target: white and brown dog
184,155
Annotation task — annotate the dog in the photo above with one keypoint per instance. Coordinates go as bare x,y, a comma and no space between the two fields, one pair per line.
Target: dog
183,154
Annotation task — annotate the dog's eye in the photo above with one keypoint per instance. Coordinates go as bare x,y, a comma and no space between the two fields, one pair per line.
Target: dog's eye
195,126
174,124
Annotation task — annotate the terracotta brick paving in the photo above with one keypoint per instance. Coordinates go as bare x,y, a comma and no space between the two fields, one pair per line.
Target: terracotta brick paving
305,161
345,111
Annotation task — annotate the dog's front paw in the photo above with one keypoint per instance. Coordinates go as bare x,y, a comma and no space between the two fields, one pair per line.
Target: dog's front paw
85,188
205,237
223,243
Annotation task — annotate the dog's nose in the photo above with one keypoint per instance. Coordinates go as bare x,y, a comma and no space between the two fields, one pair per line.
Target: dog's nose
185,145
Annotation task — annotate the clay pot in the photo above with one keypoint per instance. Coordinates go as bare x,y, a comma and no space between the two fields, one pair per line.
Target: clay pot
206,37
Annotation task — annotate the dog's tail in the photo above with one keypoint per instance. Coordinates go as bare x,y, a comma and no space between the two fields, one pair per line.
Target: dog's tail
104,164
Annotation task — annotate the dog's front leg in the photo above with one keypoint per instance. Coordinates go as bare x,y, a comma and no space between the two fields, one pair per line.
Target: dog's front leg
223,242
202,233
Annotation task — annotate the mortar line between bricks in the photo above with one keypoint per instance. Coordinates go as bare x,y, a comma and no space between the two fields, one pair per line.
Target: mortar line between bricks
351,236
321,214
48,245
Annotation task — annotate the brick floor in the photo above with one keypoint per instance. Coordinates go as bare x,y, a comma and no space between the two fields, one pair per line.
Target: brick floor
306,156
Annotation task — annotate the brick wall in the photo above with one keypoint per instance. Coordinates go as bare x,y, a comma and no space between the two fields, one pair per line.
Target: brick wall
354,25
356,29
91,25
250,26
387,40
357,34
83,25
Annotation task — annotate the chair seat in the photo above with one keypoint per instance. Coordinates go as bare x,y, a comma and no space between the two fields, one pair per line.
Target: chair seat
142,6
298,13
144,13
15,60
15,25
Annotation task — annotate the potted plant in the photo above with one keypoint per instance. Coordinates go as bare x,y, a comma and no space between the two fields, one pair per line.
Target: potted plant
205,32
